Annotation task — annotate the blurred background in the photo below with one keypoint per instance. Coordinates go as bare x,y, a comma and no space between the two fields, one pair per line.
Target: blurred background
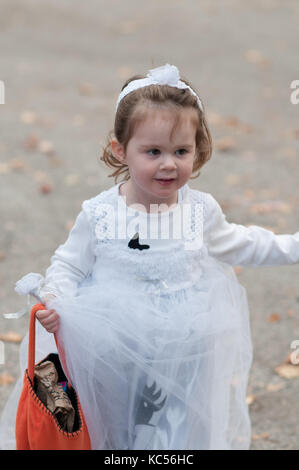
63,64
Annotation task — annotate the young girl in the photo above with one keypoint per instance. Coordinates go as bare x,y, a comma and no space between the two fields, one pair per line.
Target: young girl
143,296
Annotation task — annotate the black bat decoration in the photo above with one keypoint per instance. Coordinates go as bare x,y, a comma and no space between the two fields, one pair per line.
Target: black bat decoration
147,406
134,243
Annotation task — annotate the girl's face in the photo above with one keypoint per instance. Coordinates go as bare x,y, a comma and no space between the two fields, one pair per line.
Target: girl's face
151,155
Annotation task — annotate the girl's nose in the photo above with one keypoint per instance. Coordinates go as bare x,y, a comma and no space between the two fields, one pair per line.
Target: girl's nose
168,162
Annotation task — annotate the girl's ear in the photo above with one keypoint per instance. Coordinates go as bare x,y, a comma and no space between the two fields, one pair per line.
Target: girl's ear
118,150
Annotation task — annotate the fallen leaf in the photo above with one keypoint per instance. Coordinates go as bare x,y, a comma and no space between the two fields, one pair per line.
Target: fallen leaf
289,152
46,188
71,180
291,133
31,143
250,399
225,144
287,371
255,56
6,379
275,387
291,312
47,147
214,119
264,435
86,89
274,317
11,337
2,255
28,117
17,164
4,168
234,122
128,26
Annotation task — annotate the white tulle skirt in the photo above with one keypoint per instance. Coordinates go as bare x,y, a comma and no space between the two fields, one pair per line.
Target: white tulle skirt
166,371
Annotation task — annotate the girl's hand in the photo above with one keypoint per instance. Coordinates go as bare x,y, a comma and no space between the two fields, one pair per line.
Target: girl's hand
49,319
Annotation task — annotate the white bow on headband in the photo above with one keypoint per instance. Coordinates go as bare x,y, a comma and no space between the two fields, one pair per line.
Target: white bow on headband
164,75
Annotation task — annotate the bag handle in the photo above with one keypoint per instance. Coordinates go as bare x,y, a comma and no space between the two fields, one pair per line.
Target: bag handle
31,348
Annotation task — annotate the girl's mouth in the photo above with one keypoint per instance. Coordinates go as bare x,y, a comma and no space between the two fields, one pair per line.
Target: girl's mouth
165,182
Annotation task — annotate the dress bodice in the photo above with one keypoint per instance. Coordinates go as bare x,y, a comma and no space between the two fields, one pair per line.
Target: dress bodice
163,249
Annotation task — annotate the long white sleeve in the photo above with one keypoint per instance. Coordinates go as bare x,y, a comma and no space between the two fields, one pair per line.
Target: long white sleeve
72,261
238,245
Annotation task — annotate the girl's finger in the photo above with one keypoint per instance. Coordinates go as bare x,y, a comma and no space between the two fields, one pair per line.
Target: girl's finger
53,316
47,315
42,313
50,321
51,325
52,329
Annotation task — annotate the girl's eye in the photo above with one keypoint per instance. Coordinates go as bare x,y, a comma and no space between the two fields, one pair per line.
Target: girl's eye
153,151
182,151
157,151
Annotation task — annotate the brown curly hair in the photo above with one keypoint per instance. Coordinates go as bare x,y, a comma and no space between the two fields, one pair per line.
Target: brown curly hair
130,112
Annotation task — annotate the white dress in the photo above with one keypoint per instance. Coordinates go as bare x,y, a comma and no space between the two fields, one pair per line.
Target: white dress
156,329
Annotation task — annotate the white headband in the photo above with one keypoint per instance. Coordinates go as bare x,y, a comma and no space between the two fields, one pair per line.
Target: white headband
164,75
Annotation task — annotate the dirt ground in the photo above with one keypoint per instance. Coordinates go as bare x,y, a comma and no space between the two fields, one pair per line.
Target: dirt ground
63,64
